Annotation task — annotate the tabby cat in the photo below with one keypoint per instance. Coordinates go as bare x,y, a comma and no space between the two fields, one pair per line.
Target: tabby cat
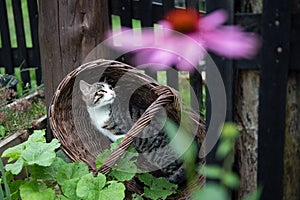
99,98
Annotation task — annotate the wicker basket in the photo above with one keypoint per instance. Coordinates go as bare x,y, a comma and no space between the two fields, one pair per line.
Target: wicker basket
81,142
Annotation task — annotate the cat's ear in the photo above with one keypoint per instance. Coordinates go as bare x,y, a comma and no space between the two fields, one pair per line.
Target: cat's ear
104,79
85,88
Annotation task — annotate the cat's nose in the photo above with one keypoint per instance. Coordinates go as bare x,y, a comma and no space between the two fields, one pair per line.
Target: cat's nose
113,93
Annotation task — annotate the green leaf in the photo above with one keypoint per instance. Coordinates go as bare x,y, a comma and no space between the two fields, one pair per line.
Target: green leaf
211,171
62,155
224,148
230,131
69,188
136,197
14,152
15,189
68,176
146,178
115,143
157,188
62,197
102,157
125,168
2,131
48,173
211,191
184,145
16,167
231,180
121,175
181,140
34,151
34,190
39,153
88,187
37,136
69,171
114,191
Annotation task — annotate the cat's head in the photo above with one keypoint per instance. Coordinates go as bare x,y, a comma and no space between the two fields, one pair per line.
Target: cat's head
98,94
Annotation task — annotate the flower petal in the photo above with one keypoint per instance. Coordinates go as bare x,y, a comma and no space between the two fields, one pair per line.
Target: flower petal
165,24
213,20
190,55
162,58
232,42
130,39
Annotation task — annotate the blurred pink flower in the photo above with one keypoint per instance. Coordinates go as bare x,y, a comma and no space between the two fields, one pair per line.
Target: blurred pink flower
184,38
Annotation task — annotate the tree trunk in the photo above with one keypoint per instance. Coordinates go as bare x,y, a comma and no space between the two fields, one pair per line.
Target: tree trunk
247,101
291,179
68,31
247,97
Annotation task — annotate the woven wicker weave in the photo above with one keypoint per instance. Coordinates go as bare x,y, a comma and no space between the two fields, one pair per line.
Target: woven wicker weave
69,120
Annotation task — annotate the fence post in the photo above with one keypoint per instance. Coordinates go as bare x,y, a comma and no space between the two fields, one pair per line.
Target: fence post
68,31
225,67
276,20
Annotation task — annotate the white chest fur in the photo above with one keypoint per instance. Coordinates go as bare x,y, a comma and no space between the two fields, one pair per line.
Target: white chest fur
99,116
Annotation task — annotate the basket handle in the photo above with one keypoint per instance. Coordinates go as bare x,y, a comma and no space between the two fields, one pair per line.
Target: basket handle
166,96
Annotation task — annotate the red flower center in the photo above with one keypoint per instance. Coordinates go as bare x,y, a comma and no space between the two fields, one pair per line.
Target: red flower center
183,20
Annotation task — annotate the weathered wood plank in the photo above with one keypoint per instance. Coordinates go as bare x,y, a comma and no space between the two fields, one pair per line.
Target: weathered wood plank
68,31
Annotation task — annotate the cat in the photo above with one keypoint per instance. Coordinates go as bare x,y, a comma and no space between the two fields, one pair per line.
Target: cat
99,98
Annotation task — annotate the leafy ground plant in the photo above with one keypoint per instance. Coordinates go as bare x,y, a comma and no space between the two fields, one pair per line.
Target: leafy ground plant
126,169
50,177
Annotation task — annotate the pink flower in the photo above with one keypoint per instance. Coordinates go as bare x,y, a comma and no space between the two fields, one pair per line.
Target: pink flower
184,38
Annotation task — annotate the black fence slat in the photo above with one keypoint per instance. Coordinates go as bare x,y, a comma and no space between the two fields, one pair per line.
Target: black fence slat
146,21
115,8
172,75
225,67
34,58
172,78
126,13
196,83
295,42
168,5
276,30
21,49
6,59
192,4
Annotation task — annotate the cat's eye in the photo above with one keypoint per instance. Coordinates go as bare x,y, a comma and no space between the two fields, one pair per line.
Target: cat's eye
103,91
110,87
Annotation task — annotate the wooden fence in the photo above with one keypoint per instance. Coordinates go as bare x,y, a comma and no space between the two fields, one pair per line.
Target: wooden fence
277,22
19,45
